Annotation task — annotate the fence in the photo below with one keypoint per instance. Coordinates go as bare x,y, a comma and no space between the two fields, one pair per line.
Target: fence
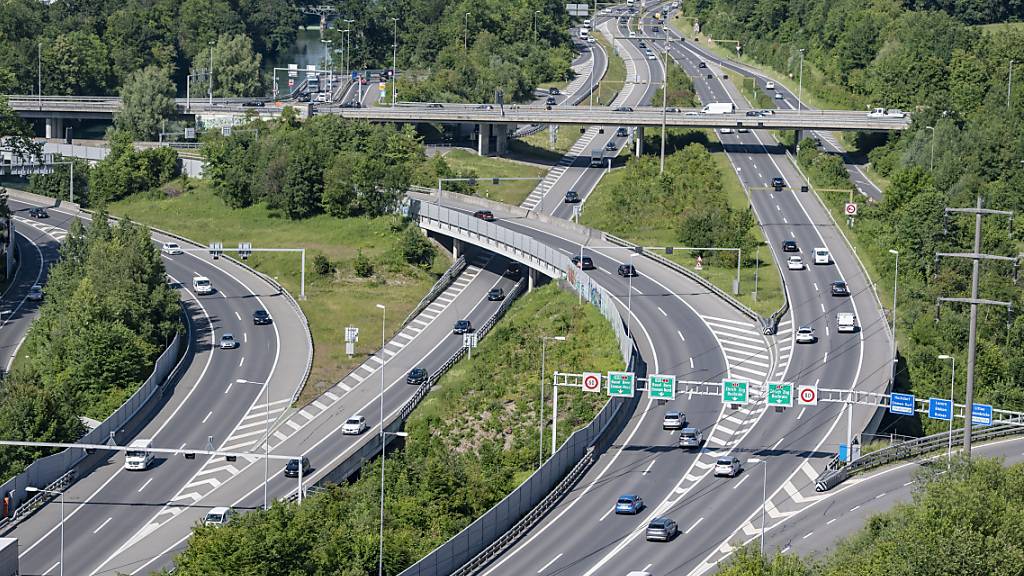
57,468
440,286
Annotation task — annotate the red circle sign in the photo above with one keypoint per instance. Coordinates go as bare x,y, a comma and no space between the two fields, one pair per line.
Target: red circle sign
807,395
591,382
851,209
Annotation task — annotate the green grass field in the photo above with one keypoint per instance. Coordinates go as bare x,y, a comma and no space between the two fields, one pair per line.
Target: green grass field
331,303
567,136
1000,27
511,191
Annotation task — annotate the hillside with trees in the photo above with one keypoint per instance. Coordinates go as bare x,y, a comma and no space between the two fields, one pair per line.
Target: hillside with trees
955,79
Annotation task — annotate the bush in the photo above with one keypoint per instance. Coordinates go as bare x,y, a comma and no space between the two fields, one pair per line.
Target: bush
416,249
362,266
322,266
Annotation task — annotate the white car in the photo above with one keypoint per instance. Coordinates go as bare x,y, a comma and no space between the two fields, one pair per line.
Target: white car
795,263
651,56
218,516
822,256
728,466
591,39
35,293
769,85
725,131
202,285
805,335
354,425
674,420
228,342
632,34
171,248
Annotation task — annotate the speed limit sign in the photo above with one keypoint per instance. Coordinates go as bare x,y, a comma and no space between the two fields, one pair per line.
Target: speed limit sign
851,209
807,395
591,381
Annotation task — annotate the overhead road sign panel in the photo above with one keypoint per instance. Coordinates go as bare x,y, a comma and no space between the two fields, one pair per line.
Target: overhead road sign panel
661,386
902,404
621,384
591,382
981,414
780,394
940,409
807,395
735,391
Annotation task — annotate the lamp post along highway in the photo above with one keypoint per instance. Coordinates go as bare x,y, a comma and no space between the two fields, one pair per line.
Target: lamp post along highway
39,91
394,65
211,72
543,353
383,364
895,284
952,383
383,456
348,44
800,92
33,489
465,38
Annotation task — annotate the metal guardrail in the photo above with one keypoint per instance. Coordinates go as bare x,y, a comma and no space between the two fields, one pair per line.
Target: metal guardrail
440,286
743,308
915,448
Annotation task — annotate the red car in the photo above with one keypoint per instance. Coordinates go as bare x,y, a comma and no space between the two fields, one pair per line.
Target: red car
485,215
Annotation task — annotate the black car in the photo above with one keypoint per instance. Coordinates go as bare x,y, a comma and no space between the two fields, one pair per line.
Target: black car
778,183
434,105
789,246
551,101
496,294
643,44
584,263
352,104
610,147
417,376
291,470
839,288
253,104
485,215
39,213
622,132
702,65
624,109
572,197
711,76
554,91
627,270
753,113
462,327
261,317
513,270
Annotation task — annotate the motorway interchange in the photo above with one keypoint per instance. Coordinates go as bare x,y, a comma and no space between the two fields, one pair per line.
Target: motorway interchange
239,399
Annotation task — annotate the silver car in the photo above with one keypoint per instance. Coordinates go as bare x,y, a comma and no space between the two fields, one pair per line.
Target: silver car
662,528
674,420
728,466
690,438
35,293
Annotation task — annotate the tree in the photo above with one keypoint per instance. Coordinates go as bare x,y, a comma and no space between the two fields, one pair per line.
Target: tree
201,22
17,134
416,249
56,184
76,63
236,69
147,99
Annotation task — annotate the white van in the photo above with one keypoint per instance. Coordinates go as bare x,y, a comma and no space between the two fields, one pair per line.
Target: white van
846,322
218,516
202,285
584,33
821,256
586,23
138,456
769,85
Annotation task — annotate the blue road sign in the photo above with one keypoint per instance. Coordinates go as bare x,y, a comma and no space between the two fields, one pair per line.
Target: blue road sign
901,404
844,453
981,414
355,75
940,409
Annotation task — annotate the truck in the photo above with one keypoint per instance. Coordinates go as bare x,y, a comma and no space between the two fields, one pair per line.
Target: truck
138,456
596,157
846,322
718,108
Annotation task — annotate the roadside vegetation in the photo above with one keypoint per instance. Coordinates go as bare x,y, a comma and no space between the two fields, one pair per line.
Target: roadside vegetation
953,77
107,315
959,523
471,442
484,169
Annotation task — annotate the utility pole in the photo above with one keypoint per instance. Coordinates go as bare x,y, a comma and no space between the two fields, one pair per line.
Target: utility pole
974,301
394,66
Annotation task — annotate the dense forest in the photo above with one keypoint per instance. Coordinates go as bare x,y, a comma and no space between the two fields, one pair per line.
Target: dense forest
966,140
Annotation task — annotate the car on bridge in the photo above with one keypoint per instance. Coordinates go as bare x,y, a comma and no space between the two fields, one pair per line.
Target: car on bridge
610,146
572,197
728,466
754,113
624,109
584,262
629,504
228,342
840,288
627,271
779,96
291,470
661,529
485,215
352,104
354,425
253,104
701,65
554,91
261,317
846,322
39,213
202,285
805,335
417,376
462,327
551,101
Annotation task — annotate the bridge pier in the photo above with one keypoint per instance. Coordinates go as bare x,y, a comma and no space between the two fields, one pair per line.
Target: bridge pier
483,145
638,135
54,127
456,248
500,139
531,279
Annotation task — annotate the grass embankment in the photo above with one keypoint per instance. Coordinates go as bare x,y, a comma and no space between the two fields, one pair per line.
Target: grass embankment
660,224
471,442
508,191
332,302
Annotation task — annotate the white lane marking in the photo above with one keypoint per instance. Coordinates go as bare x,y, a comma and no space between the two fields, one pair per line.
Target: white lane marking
802,410
646,568
100,527
230,384
854,508
605,515
210,413
51,568
637,290
825,359
815,284
241,361
830,521
808,535
237,315
742,480
694,525
662,312
545,567
826,330
681,337
792,234
648,469
880,495
245,336
144,484
785,220
776,445
691,362
822,306
908,483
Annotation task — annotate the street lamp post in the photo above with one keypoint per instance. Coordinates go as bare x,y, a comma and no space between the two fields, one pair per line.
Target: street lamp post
394,66
543,354
465,39
895,283
383,363
664,105
931,165
764,494
629,299
348,44
952,383
39,88
800,93
383,456
535,12
211,72
33,489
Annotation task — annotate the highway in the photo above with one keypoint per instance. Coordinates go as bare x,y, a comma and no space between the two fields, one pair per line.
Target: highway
204,399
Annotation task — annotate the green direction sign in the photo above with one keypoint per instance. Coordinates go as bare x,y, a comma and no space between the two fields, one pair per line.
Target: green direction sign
780,394
621,384
734,391
662,386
